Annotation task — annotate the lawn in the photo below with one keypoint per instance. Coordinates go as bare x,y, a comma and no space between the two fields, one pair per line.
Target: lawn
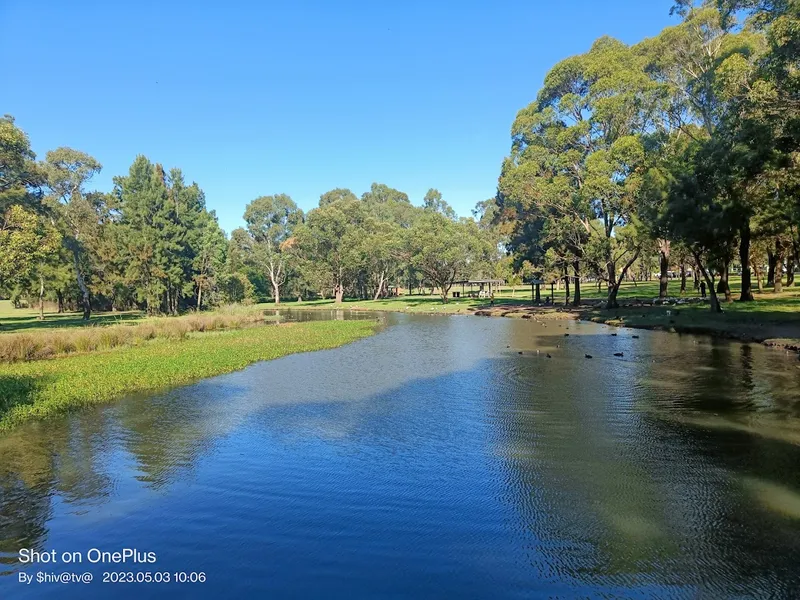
21,319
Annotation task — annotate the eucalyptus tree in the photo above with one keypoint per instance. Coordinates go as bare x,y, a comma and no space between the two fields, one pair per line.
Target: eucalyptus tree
444,250
578,152
68,171
328,243
389,204
704,65
700,215
271,221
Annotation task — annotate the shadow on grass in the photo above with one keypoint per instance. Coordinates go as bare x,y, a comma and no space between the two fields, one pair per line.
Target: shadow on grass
16,390
749,321
25,323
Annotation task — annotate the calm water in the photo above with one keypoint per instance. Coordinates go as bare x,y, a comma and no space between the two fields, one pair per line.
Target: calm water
433,460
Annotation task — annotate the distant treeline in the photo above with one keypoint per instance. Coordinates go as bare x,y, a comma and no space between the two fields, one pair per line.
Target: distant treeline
153,244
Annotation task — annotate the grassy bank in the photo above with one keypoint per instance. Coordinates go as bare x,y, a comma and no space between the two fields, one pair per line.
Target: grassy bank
49,343
39,389
770,317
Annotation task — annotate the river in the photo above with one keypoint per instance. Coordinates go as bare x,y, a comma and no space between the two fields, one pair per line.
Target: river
444,457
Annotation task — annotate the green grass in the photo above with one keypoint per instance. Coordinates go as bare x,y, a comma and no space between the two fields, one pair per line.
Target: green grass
33,344
43,388
22,319
768,317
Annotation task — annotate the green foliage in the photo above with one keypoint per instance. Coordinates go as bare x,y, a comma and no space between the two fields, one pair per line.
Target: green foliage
444,250
270,223
25,240
336,195
578,156
170,244
433,201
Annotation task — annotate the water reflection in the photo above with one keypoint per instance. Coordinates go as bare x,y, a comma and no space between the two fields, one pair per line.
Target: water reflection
444,456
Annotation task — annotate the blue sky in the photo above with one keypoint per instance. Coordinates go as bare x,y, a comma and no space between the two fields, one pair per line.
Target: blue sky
255,98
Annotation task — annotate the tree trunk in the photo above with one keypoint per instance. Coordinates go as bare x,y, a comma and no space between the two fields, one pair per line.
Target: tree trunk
276,292
790,265
722,286
611,267
759,277
778,285
715,307
611,301
381,282
199,297
338,293
771,268
41,298
664,264
576,267
60,296
566,287
696,277
85,299
744,257
683,279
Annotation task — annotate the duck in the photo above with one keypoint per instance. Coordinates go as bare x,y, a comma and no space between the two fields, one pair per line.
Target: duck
588,356
619,354
566,335
548,355
636,337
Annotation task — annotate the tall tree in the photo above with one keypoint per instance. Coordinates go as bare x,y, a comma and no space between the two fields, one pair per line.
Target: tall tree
701,65
328,241
443,249
68,171
578,153
271,221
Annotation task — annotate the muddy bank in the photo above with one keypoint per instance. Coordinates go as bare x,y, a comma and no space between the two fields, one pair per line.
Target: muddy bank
660,316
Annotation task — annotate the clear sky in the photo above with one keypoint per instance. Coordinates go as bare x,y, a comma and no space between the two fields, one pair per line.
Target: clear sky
298,97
